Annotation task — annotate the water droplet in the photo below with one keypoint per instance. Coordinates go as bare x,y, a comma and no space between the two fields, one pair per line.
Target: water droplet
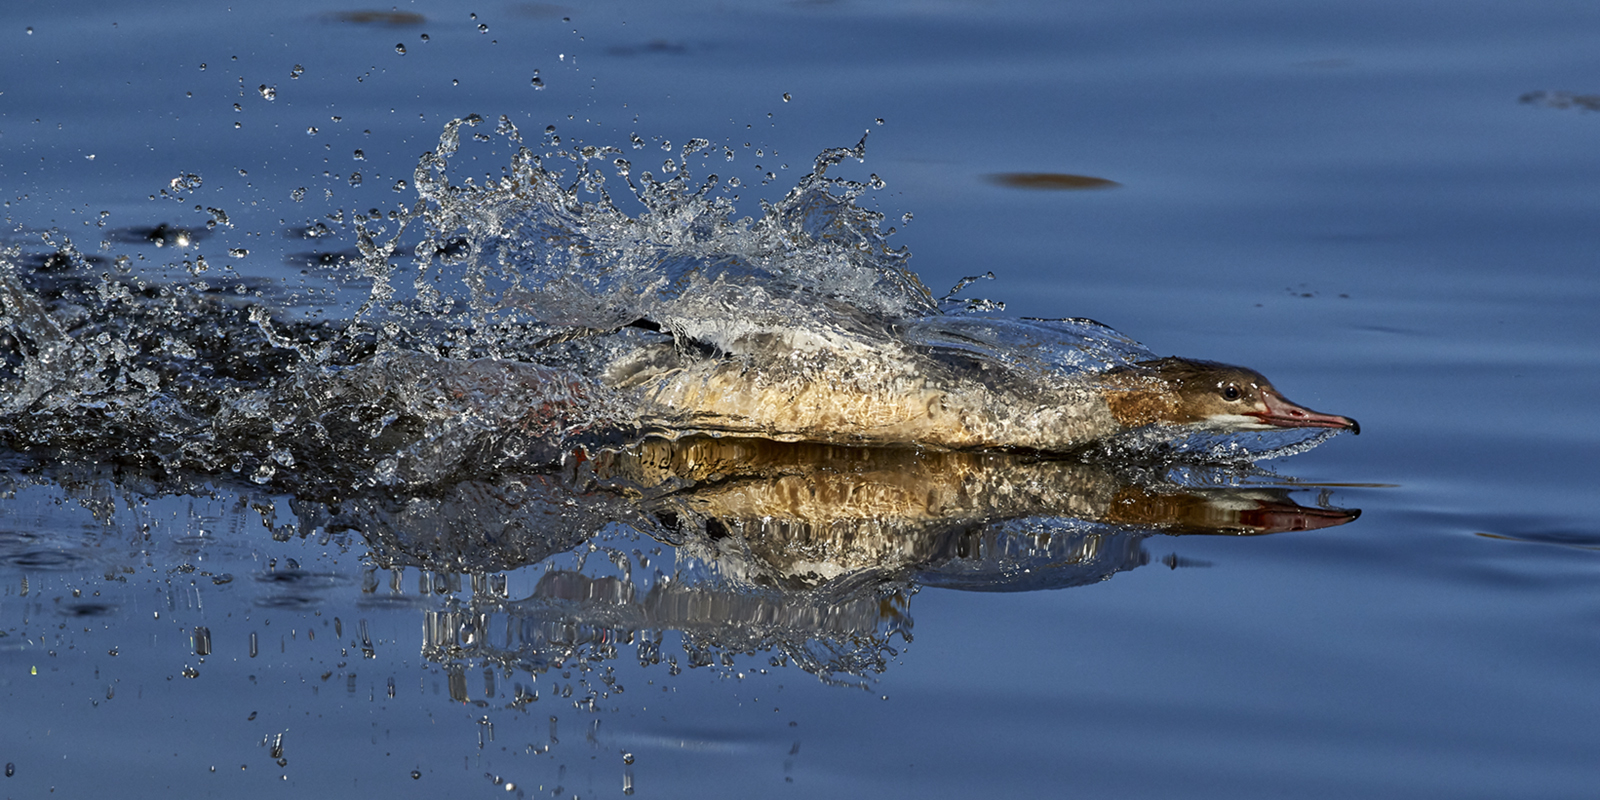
400,185
400,48
786,97
298,194
311,131
425,37
416,774
297,71
905,218
268,92
8,766
537,82
218,217
355,179
627,758
482,28
185,182
11,769
879,120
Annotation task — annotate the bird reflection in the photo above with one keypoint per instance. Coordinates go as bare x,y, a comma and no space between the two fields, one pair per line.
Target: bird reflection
697,551
807,552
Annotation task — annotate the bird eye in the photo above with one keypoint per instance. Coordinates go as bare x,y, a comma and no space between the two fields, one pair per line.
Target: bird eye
1231,392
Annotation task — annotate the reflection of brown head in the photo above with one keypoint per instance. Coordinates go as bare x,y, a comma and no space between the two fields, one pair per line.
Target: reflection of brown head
1205,394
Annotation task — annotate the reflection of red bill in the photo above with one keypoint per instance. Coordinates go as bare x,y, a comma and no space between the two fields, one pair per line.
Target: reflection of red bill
1233,512
1270,517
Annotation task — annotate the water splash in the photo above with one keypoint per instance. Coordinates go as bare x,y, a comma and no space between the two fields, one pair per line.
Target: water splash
512,318
555,249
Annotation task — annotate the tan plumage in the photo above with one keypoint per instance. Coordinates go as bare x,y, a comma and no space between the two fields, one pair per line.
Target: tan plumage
910,400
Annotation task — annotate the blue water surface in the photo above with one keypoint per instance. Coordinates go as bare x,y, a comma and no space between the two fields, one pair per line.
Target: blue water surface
1386,207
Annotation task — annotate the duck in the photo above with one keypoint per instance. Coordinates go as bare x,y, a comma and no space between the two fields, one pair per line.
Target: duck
924,398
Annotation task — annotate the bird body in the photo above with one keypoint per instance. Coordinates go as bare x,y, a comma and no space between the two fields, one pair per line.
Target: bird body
910,397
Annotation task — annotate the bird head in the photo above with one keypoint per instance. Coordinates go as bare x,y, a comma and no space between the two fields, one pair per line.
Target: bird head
1207,396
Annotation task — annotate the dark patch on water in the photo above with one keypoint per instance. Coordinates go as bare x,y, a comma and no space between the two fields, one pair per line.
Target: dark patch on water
61,262
1562,100
652,47
391,18
290,602
1051,181
88,609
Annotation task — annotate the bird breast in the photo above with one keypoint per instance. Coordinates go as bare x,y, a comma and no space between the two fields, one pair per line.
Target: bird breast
845,400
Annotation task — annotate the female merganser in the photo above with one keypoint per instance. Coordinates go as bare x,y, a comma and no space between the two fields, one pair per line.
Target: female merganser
946,403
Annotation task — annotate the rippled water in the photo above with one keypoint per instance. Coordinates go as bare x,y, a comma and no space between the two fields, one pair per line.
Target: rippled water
273,515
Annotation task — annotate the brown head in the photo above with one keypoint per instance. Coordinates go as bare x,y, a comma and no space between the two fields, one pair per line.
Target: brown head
1205,394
